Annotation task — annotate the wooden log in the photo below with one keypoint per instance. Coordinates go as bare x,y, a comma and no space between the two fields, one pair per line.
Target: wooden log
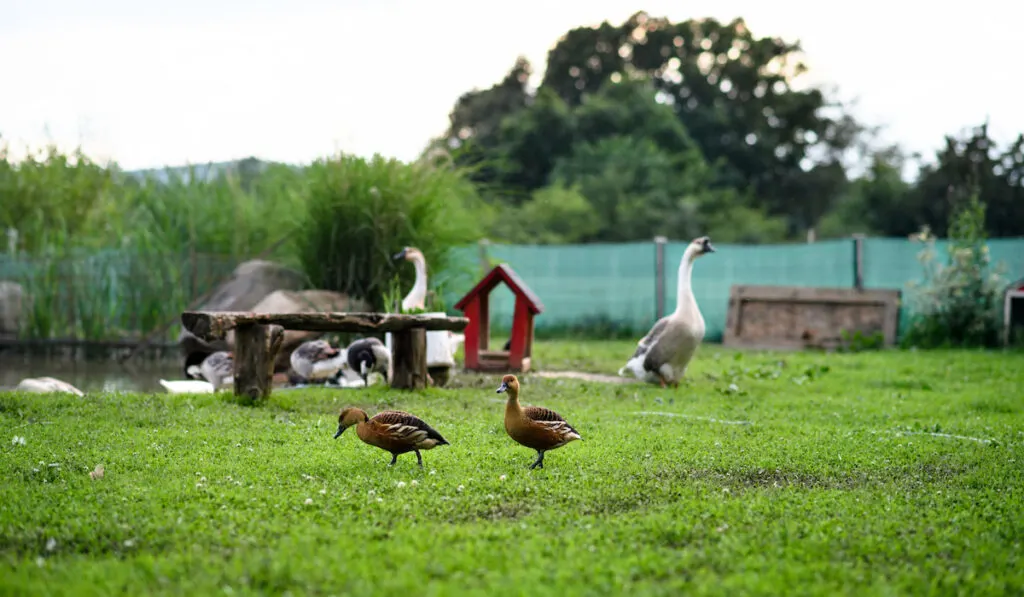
213,325
409,360
256,348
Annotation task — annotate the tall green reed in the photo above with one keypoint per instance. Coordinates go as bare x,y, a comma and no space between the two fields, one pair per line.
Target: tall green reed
358,213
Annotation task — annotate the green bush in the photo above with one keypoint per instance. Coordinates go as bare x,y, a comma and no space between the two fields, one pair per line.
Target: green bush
958,304
358,213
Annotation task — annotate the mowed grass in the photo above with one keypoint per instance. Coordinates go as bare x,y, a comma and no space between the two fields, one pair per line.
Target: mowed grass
770,474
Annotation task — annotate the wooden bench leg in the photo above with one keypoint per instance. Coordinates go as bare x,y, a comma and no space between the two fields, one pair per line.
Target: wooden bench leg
256,348
409,359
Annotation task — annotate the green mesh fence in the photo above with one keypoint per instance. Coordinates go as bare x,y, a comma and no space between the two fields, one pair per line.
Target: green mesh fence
595,285
610,285
112,294
892,262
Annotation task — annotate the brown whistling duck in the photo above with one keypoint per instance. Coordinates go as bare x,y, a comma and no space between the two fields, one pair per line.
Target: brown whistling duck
535,427
392,430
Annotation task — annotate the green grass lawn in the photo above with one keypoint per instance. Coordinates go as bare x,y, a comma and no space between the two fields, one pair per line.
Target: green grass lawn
778,474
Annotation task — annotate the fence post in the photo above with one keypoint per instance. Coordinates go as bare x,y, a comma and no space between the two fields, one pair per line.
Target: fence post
659,276
12,240
485,262
858,261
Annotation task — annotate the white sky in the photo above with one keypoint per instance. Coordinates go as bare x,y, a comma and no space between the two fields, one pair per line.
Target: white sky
158,82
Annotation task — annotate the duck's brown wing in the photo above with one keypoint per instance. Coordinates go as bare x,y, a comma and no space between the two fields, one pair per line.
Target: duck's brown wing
402,426
549,418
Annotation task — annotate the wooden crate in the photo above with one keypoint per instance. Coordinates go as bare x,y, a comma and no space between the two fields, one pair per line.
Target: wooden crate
794,317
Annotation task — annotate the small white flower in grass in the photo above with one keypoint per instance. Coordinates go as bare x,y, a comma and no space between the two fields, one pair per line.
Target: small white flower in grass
51,544
380,500
309,501
129,543
502,478
40,561
400,484
414,482
17,440
323,492
433,472
459,488
371,492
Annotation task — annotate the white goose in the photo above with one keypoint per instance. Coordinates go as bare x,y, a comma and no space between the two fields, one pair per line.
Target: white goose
46,385
216,372
417,297
664,353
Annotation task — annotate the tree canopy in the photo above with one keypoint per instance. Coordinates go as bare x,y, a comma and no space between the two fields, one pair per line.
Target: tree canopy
654,127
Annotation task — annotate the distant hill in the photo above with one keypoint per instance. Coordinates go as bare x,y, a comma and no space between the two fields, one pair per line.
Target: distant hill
205,172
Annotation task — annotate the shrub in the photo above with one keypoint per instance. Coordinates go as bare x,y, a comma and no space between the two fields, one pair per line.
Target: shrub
358,213
958,303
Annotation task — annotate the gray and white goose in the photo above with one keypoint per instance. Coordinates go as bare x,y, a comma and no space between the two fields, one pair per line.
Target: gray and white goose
317,360
664,353
218,369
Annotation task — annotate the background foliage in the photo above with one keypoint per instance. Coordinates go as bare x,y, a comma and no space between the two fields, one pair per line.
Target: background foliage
644,128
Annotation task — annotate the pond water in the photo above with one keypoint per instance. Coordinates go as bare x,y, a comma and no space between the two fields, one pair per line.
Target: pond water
91,376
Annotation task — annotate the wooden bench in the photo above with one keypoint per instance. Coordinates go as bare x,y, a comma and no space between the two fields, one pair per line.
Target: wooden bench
258,338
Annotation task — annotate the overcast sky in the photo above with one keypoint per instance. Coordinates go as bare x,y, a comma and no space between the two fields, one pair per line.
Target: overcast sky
158,82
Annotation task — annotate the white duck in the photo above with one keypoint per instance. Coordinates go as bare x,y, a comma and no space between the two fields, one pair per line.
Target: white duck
214,373
317,360
417,297
664,353
47,385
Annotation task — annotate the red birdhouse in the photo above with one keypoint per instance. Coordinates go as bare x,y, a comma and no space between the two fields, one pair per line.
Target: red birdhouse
476,306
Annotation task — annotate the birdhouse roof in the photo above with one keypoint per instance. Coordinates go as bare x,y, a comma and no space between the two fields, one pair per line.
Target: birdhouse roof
503,273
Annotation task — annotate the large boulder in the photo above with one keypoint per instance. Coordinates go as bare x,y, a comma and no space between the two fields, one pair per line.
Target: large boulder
249,284
12,309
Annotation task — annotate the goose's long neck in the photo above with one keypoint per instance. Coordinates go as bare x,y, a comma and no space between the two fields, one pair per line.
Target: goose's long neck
684,290
416,299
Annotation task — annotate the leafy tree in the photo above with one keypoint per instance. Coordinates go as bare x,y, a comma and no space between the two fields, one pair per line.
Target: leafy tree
734,93
556,214
973,162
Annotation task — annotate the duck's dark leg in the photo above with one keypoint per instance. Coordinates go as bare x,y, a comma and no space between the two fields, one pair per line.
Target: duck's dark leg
394,459
539,463
419,458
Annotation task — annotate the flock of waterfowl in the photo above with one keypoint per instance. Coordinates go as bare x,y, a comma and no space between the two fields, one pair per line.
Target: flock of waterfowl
399,432
661,357
316,361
